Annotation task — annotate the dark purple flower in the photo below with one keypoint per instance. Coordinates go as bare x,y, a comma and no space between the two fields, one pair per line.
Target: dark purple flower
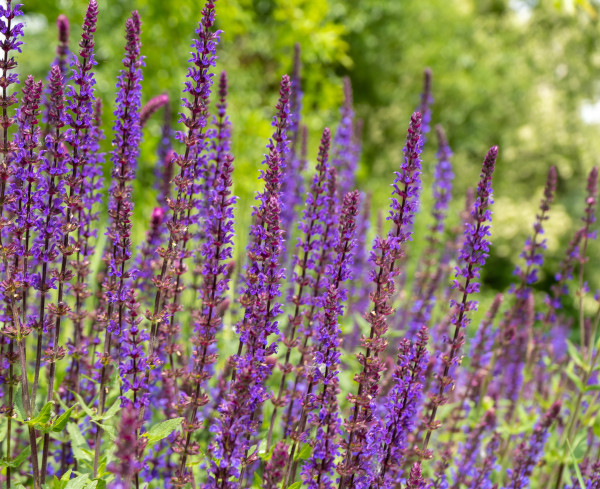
152,106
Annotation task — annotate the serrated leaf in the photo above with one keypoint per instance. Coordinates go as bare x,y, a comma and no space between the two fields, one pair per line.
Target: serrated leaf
162,430
295,485
78,483
75,435
19,404
109,430
61,422
44,415
576,465
303,453
16,462
92,485
83,405
575,355
114,409
82,455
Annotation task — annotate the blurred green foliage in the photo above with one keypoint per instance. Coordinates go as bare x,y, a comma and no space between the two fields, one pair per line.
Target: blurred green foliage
516,73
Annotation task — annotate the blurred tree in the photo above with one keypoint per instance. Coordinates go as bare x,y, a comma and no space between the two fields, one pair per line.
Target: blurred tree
511,72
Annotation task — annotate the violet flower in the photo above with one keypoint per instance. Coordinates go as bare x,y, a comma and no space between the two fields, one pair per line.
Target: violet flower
401,406
292,186
471,258
384,256
344,158
320,411
240,410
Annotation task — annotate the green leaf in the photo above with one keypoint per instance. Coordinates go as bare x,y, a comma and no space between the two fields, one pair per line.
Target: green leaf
83,405
576,466
295,485
16,462
78,483
575,355
41,420
61,422
114,409
111,431
162,430
101,484
75,435
19,404
303,453
82,455
92,485
574,378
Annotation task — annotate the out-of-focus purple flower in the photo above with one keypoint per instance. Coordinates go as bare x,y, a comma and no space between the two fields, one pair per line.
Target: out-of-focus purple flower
152,106
292,185
465,467
529,452
275,468
344,158
429,274
62,50
129,450
483,471
426,102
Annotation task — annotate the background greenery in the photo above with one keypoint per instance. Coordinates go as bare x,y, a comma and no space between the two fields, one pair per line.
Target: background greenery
521,74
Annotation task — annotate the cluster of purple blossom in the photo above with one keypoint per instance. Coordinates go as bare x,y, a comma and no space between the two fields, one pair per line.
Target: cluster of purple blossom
115,380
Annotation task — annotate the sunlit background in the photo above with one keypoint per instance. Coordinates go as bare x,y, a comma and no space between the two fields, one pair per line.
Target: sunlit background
520,74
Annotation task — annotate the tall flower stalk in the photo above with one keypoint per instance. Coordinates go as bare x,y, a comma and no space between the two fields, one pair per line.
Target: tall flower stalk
121,304
471,258
386,252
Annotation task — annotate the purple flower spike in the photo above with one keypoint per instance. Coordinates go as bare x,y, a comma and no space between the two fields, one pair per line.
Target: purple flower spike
386,252
120,297
401,406
472,257
122,317
240,410
529,452
152,106
344,155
